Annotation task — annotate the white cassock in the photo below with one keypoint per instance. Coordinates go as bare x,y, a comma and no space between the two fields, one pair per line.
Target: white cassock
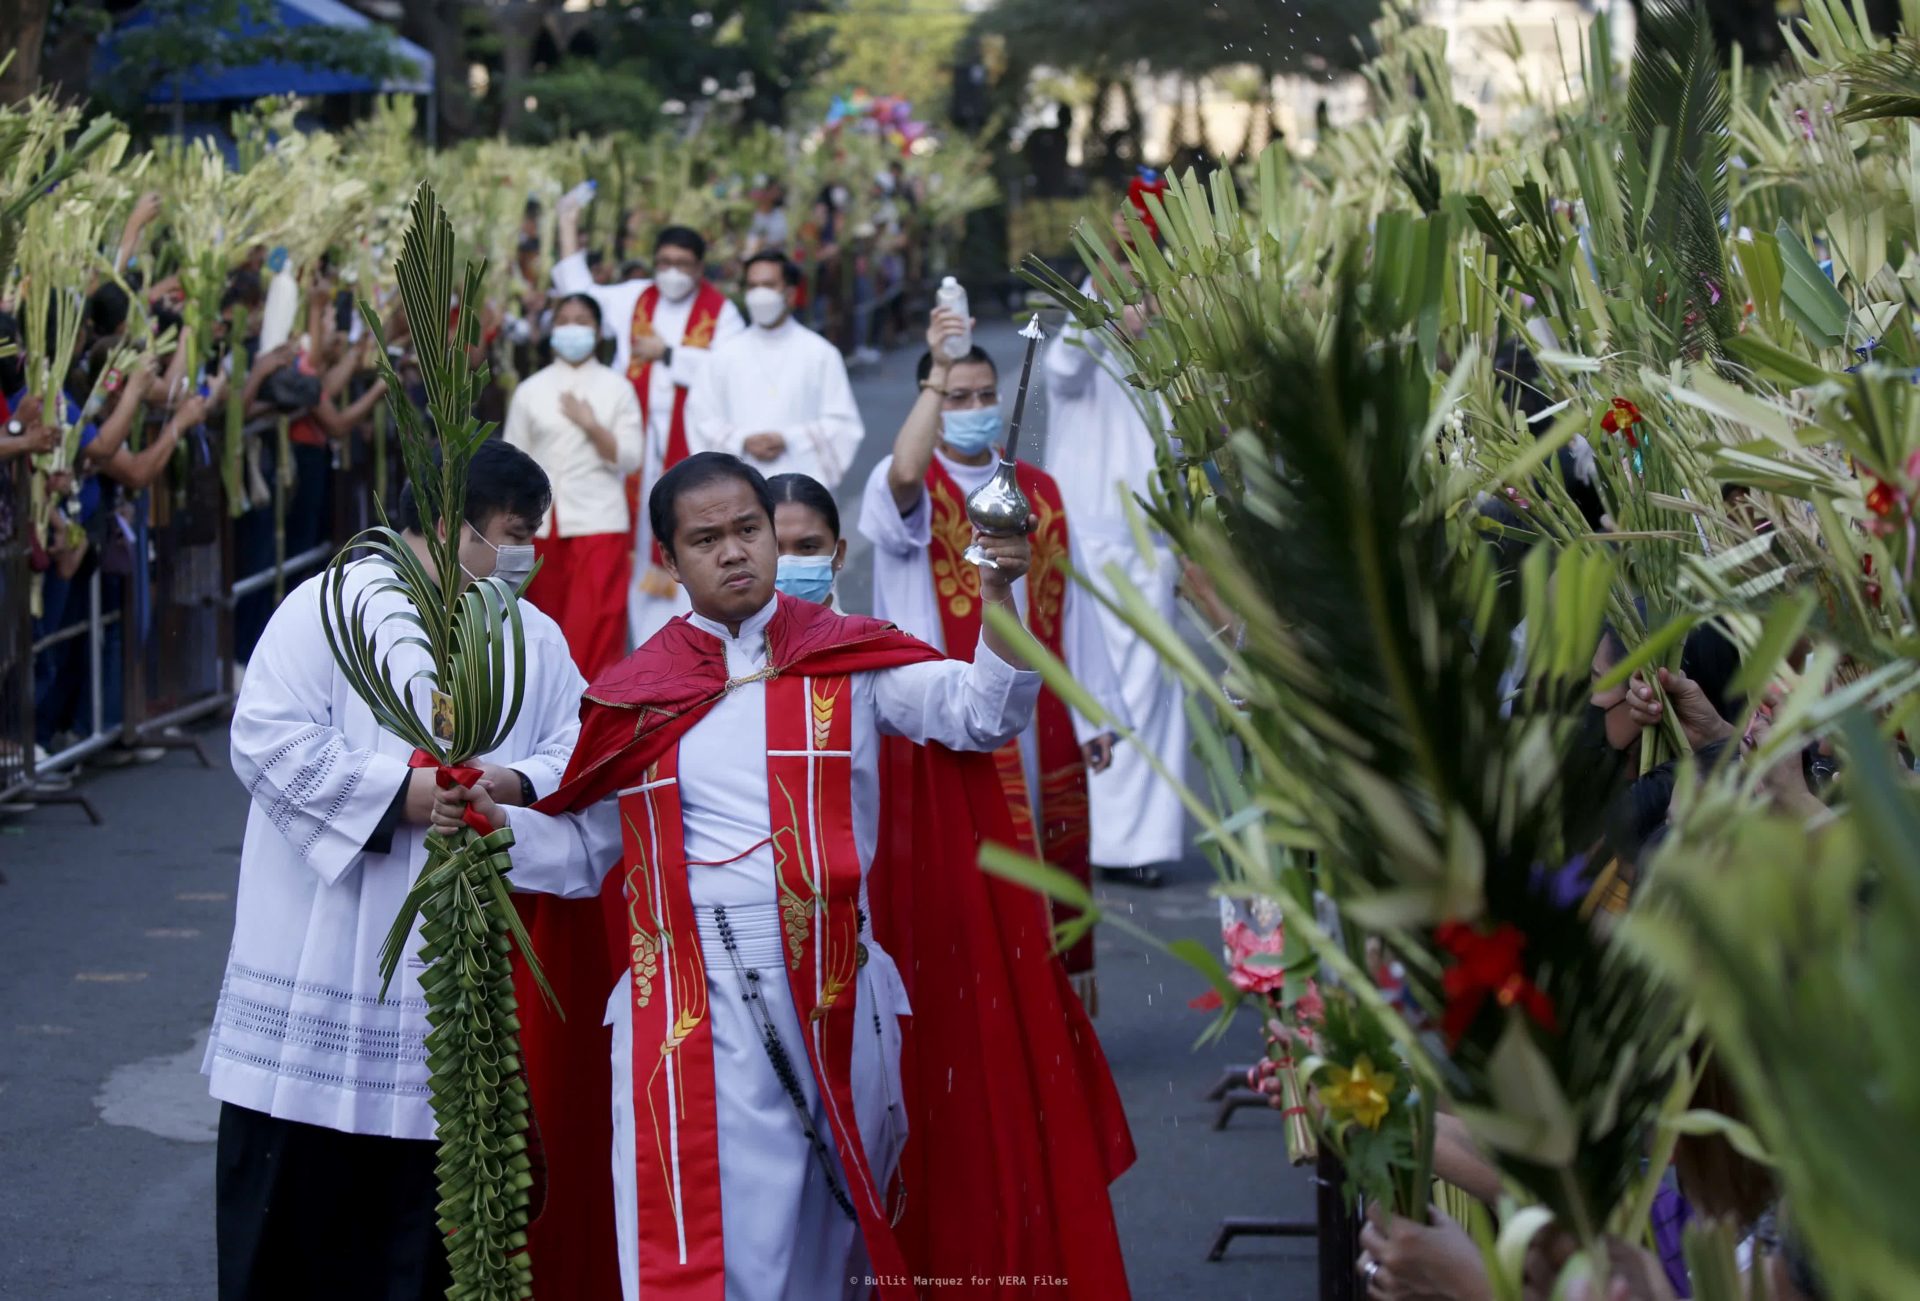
903,595
301,1031
1100,452
787,381
645,611
786,1238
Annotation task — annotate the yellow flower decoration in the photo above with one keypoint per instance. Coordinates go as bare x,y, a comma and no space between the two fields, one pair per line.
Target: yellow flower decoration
1359,1094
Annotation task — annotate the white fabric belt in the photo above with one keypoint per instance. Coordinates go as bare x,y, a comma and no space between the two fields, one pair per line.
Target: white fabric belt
756,936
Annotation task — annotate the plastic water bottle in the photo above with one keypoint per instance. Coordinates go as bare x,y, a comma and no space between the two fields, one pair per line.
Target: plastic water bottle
952,296
580,195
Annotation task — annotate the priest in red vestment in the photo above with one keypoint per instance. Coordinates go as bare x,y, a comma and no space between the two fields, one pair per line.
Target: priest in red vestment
791,1115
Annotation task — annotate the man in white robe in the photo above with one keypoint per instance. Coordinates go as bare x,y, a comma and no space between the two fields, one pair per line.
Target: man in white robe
1101,452
777,395
325,1181
792,1209
664,330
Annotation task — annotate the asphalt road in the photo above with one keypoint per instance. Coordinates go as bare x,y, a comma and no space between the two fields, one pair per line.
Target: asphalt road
112,942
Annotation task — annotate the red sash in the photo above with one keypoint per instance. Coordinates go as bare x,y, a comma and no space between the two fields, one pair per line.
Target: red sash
1063,837
809,770
979,1059
708,303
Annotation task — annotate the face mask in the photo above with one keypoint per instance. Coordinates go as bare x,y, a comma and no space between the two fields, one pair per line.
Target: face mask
766,306
575,343
512,563
805,578
674,283
970,432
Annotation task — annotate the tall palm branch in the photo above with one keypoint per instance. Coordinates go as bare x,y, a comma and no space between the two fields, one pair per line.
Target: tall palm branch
471,632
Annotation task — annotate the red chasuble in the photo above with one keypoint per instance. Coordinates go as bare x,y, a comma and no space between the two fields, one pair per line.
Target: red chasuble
1062,838
708,303
1006,1168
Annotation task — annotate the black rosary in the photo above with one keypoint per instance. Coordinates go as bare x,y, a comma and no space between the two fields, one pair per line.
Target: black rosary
782,1062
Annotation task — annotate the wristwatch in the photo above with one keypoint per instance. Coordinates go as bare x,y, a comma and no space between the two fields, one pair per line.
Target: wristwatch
526,788
15,429
666,358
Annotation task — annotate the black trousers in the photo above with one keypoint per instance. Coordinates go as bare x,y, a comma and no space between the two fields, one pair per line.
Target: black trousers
312,1214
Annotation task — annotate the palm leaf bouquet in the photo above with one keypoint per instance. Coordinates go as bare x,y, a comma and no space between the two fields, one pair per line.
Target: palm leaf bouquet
1368,678
214,214
59,260
471,631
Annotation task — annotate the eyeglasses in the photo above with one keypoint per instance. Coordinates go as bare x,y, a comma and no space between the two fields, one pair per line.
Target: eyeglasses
960,397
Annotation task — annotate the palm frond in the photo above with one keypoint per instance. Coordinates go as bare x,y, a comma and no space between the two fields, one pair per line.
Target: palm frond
1883,84
1677,110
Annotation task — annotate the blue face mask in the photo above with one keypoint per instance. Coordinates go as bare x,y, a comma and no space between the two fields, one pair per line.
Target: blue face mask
805,578
970,432
575,343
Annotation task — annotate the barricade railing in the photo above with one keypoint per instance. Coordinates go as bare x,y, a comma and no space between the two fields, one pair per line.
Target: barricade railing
16,634
153,642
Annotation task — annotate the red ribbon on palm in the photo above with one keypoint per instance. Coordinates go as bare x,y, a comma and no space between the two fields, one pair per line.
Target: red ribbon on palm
1487,966
449,775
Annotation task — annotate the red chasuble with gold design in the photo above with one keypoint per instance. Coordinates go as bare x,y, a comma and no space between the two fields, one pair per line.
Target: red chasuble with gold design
1063,836
982,1052
708,303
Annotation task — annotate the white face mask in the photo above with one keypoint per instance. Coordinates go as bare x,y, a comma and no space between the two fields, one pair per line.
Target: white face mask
767,307
574,343
674,283
511,563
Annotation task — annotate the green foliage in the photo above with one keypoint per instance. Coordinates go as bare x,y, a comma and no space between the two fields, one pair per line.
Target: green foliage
589,97
1341,446
1800,971
736,59
209,35
1116,35
888,47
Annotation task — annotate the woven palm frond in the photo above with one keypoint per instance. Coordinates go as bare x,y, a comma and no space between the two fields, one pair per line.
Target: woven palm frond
471,632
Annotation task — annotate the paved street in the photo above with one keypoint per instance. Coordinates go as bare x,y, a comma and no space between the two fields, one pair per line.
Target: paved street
112,941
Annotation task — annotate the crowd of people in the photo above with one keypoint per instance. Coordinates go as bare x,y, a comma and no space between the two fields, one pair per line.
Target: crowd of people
745,818
667,480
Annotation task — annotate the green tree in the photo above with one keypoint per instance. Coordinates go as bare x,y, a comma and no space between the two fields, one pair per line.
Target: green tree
209,35
1109,36
753,54
890,47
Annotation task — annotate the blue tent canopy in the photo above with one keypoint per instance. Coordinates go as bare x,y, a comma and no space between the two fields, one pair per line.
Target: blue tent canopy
193,86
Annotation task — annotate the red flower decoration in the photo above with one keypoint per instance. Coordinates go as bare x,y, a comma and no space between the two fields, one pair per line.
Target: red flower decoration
1882,497
1487,966
1620,419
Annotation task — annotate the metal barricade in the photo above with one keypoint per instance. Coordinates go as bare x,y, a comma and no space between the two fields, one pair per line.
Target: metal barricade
153,646
16,631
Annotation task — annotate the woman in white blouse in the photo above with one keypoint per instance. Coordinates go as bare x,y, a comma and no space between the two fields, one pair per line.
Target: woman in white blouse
581,421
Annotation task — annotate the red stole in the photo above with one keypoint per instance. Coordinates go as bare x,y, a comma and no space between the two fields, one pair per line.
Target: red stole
982,1052
708,303
1063,838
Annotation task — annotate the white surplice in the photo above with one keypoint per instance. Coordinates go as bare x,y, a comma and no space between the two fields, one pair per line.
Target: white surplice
589,491
786,1238
645,611
787,381
301,1031
1101,452
904,596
